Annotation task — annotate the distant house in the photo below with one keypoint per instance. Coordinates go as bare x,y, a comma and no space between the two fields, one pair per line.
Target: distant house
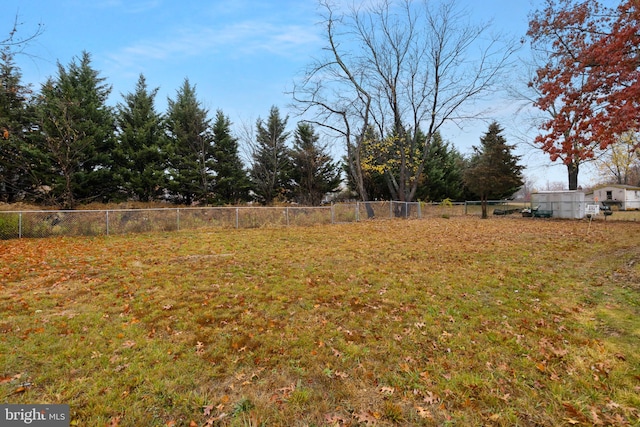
624,197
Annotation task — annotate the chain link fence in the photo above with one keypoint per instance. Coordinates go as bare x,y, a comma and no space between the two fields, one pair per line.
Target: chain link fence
47,223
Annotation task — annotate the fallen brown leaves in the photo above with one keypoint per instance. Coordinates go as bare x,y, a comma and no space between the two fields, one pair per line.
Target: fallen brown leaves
380,323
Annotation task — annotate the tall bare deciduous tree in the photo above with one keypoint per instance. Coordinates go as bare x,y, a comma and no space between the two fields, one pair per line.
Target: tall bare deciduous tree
620,163
403,68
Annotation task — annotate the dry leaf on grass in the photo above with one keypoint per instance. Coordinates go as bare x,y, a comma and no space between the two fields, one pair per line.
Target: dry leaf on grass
342,375
367,417
424,413
128,344
431,398
387,390
336,420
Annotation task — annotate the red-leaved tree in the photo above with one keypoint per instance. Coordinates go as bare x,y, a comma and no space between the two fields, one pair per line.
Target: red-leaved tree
590,84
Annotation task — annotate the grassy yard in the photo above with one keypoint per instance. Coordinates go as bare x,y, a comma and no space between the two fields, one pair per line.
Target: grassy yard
499,322
624,216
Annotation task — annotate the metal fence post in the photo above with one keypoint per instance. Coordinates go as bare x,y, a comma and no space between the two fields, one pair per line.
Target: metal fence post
237,217
107,223
20,225
178,218
286,215
333,216
357,211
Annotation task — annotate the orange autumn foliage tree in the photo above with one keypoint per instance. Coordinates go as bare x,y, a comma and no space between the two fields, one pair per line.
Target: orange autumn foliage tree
590,83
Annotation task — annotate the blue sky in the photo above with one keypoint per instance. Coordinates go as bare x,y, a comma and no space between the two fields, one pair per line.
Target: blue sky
242,55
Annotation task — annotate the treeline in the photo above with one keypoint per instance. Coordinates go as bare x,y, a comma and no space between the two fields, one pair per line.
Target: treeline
63,145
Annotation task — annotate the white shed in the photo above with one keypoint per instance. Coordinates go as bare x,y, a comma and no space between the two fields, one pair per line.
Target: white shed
564,204
625,197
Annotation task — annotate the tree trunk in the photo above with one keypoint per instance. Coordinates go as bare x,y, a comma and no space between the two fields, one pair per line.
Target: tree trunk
355,168
484,207
370,212
572,172
68,200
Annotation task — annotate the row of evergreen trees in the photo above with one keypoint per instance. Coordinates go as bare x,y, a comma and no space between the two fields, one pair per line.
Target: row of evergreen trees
64,146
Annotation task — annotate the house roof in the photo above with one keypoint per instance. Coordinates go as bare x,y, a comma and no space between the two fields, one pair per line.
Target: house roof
623,186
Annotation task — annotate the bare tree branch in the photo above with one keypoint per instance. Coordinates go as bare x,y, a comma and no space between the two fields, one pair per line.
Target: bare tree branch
405,68
17,43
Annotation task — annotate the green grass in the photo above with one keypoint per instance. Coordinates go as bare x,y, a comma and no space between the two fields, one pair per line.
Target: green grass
508,321
623,216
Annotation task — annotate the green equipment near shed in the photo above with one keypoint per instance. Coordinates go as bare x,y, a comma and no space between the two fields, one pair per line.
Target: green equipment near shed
542,213
558,204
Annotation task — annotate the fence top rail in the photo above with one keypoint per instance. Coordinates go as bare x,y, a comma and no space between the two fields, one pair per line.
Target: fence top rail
493,202
51,211
54,211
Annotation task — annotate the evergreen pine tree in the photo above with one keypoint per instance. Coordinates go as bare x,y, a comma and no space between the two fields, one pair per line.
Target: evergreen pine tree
493,170
77,133
442,175
232,184
16,118
141,143
314,172
190,147
271,164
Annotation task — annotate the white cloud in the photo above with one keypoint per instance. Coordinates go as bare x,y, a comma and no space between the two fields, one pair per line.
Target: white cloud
128,6
242,39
